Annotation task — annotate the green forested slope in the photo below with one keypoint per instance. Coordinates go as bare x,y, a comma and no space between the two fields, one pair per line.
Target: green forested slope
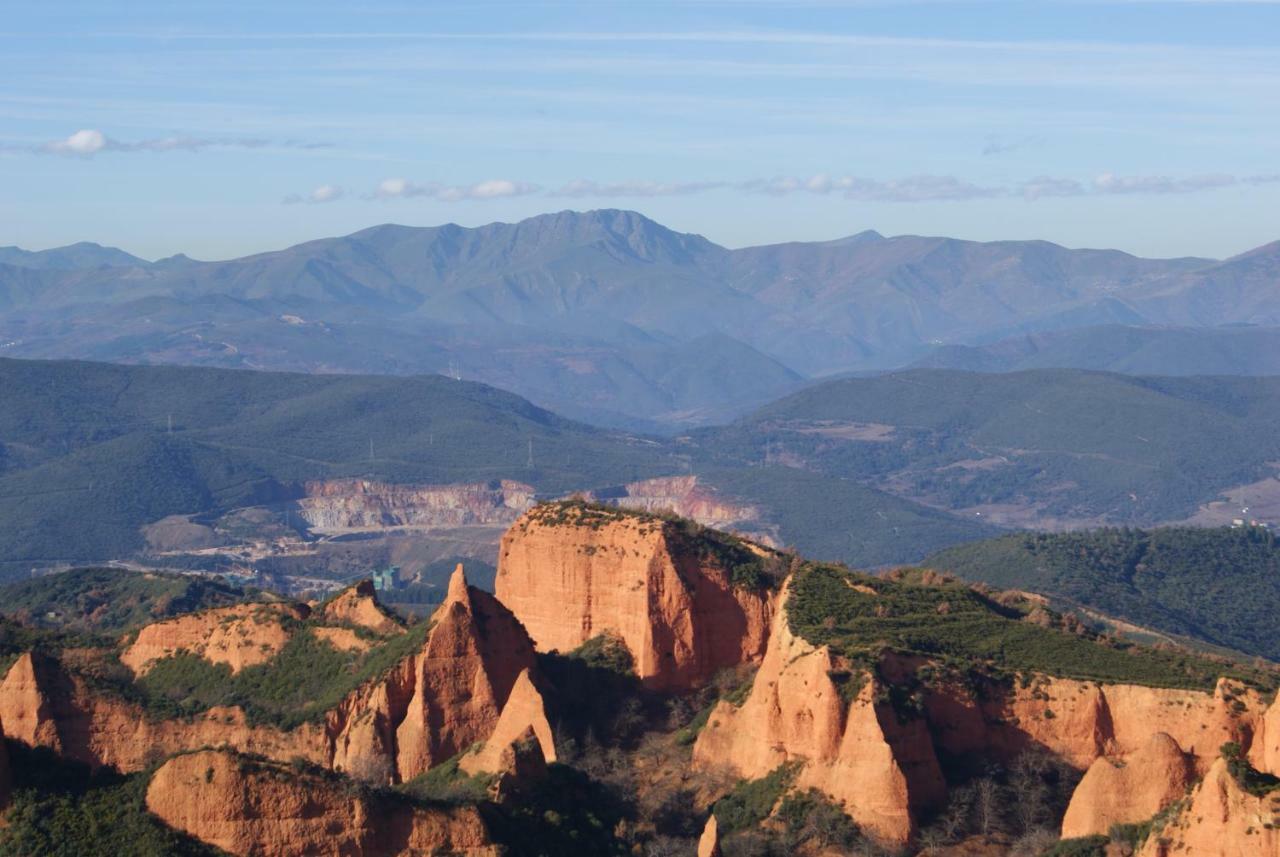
1219,585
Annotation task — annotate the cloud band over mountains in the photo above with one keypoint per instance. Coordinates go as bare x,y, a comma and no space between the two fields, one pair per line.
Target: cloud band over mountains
917,188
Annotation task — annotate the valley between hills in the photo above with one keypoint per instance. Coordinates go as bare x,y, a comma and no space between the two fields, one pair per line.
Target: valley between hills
637,683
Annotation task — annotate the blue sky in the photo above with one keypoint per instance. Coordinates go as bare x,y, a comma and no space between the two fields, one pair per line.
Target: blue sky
219,129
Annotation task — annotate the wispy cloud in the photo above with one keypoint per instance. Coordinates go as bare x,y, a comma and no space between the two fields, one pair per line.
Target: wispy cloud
923,188
399,188
323,193
637,188
88,142
910,189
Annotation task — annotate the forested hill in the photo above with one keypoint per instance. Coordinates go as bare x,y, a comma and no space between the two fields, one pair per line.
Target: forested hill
1220,585
1054,446
90,451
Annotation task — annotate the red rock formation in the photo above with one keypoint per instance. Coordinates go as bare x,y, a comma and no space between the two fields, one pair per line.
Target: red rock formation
709,842
523,716
239,636
358,605
1082,721
1128,790
41,704
440,701
432,705
248,807
1221,820
1264,754
6,784
573,573
857,753
362,504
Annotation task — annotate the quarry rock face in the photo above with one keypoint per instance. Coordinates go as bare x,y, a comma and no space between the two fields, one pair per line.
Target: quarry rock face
1128,790
687,497
249,807
241,635
1220,820
355,504
854,751
358,605
571,573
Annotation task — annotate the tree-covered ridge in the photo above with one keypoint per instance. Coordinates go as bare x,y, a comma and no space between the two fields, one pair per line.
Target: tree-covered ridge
1065,443
1219,585
921,613
113,600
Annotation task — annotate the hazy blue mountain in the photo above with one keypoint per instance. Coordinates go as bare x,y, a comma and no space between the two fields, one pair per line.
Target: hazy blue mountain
84,254
607,315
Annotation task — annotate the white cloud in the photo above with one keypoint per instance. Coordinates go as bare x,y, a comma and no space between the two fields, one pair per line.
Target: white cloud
88,142
85,142
1046,186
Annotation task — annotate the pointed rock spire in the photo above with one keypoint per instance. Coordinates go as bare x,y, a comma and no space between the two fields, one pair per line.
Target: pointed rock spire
457,587
709,844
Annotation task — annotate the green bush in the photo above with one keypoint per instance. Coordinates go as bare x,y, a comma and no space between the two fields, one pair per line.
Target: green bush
752,801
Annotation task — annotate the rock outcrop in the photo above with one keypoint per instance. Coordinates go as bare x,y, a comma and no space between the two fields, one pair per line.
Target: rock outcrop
6,782
250,807
442,700
44,705
1082,721
524,717
709,842
857,751
1265,750
239,636
430,706
571,572
1128,790
1220,820
358,605
358,504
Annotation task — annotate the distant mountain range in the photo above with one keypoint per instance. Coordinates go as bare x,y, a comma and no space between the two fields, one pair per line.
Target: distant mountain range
610,317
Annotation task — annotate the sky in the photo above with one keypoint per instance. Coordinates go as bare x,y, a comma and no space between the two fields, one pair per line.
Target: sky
223,129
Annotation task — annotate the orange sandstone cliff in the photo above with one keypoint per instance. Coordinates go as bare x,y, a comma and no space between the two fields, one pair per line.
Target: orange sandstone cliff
358,605
855,751
524,715
709,842
241,635
571,572
433,704
1220,820
1128,790
440,701
250,807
